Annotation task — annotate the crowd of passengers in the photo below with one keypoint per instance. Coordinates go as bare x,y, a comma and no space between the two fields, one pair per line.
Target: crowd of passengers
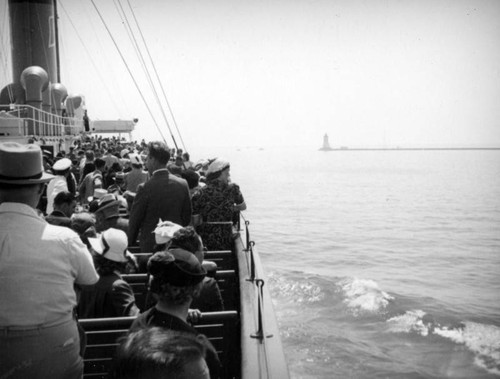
66,225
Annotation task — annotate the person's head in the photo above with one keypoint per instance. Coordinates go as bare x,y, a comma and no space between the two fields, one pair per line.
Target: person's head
179,161
158,156
107,209
65,202
135,161
116,167
185,156
89,156
177,277
218,170
187,239
192,178
124,153
100,164
62,166
110,250
159,353
22,177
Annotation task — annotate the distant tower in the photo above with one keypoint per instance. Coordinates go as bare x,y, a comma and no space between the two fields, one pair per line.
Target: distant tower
326,144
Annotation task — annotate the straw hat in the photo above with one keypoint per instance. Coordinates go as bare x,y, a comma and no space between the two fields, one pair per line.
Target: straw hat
108,205
217,166
22,164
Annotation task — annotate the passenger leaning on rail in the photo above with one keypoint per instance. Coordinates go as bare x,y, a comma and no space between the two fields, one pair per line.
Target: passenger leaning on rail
219,199
39,265
177,277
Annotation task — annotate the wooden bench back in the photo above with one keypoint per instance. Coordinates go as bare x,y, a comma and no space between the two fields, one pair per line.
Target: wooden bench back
221,328
224,259
226,280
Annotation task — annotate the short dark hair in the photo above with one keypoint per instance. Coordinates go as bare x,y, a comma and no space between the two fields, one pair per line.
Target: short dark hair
89,154
99,163
187,239
156,352
64,197
159,151
192,178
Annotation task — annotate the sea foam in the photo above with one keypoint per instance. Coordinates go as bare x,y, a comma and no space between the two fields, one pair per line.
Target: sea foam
482,340
411,321
364,295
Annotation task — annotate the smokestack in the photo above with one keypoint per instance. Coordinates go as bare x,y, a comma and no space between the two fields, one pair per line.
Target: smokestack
33,36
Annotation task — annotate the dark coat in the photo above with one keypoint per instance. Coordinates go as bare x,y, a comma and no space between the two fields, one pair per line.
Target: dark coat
111,296
164,197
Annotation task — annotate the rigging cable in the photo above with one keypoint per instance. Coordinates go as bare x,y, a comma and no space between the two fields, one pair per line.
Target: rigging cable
130,73
43,42
157,76
146,71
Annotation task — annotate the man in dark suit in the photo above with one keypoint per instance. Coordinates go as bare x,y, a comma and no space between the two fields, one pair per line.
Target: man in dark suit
163,196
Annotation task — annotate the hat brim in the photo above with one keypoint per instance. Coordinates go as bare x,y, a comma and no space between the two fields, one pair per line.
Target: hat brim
96,245
46,177
109,207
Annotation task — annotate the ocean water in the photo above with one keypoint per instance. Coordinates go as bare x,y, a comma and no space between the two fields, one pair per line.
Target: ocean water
381,264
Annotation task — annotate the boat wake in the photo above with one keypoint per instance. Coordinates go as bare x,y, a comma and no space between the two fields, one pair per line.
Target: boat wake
480,339
306,301
364,296
306,290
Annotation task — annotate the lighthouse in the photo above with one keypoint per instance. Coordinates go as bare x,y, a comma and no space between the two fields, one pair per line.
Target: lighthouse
326,144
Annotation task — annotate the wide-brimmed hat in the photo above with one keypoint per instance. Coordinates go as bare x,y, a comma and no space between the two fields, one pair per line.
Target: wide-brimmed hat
177,267
111,244
22,164
217,166
108,205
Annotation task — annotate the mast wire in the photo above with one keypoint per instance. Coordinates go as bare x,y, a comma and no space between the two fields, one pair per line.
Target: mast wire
4,54
145,68
157,76
128,69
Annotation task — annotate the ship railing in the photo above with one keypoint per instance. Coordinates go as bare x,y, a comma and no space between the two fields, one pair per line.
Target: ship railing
263,348
39,123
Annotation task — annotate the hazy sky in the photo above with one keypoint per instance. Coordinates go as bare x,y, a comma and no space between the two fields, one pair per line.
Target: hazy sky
261,73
